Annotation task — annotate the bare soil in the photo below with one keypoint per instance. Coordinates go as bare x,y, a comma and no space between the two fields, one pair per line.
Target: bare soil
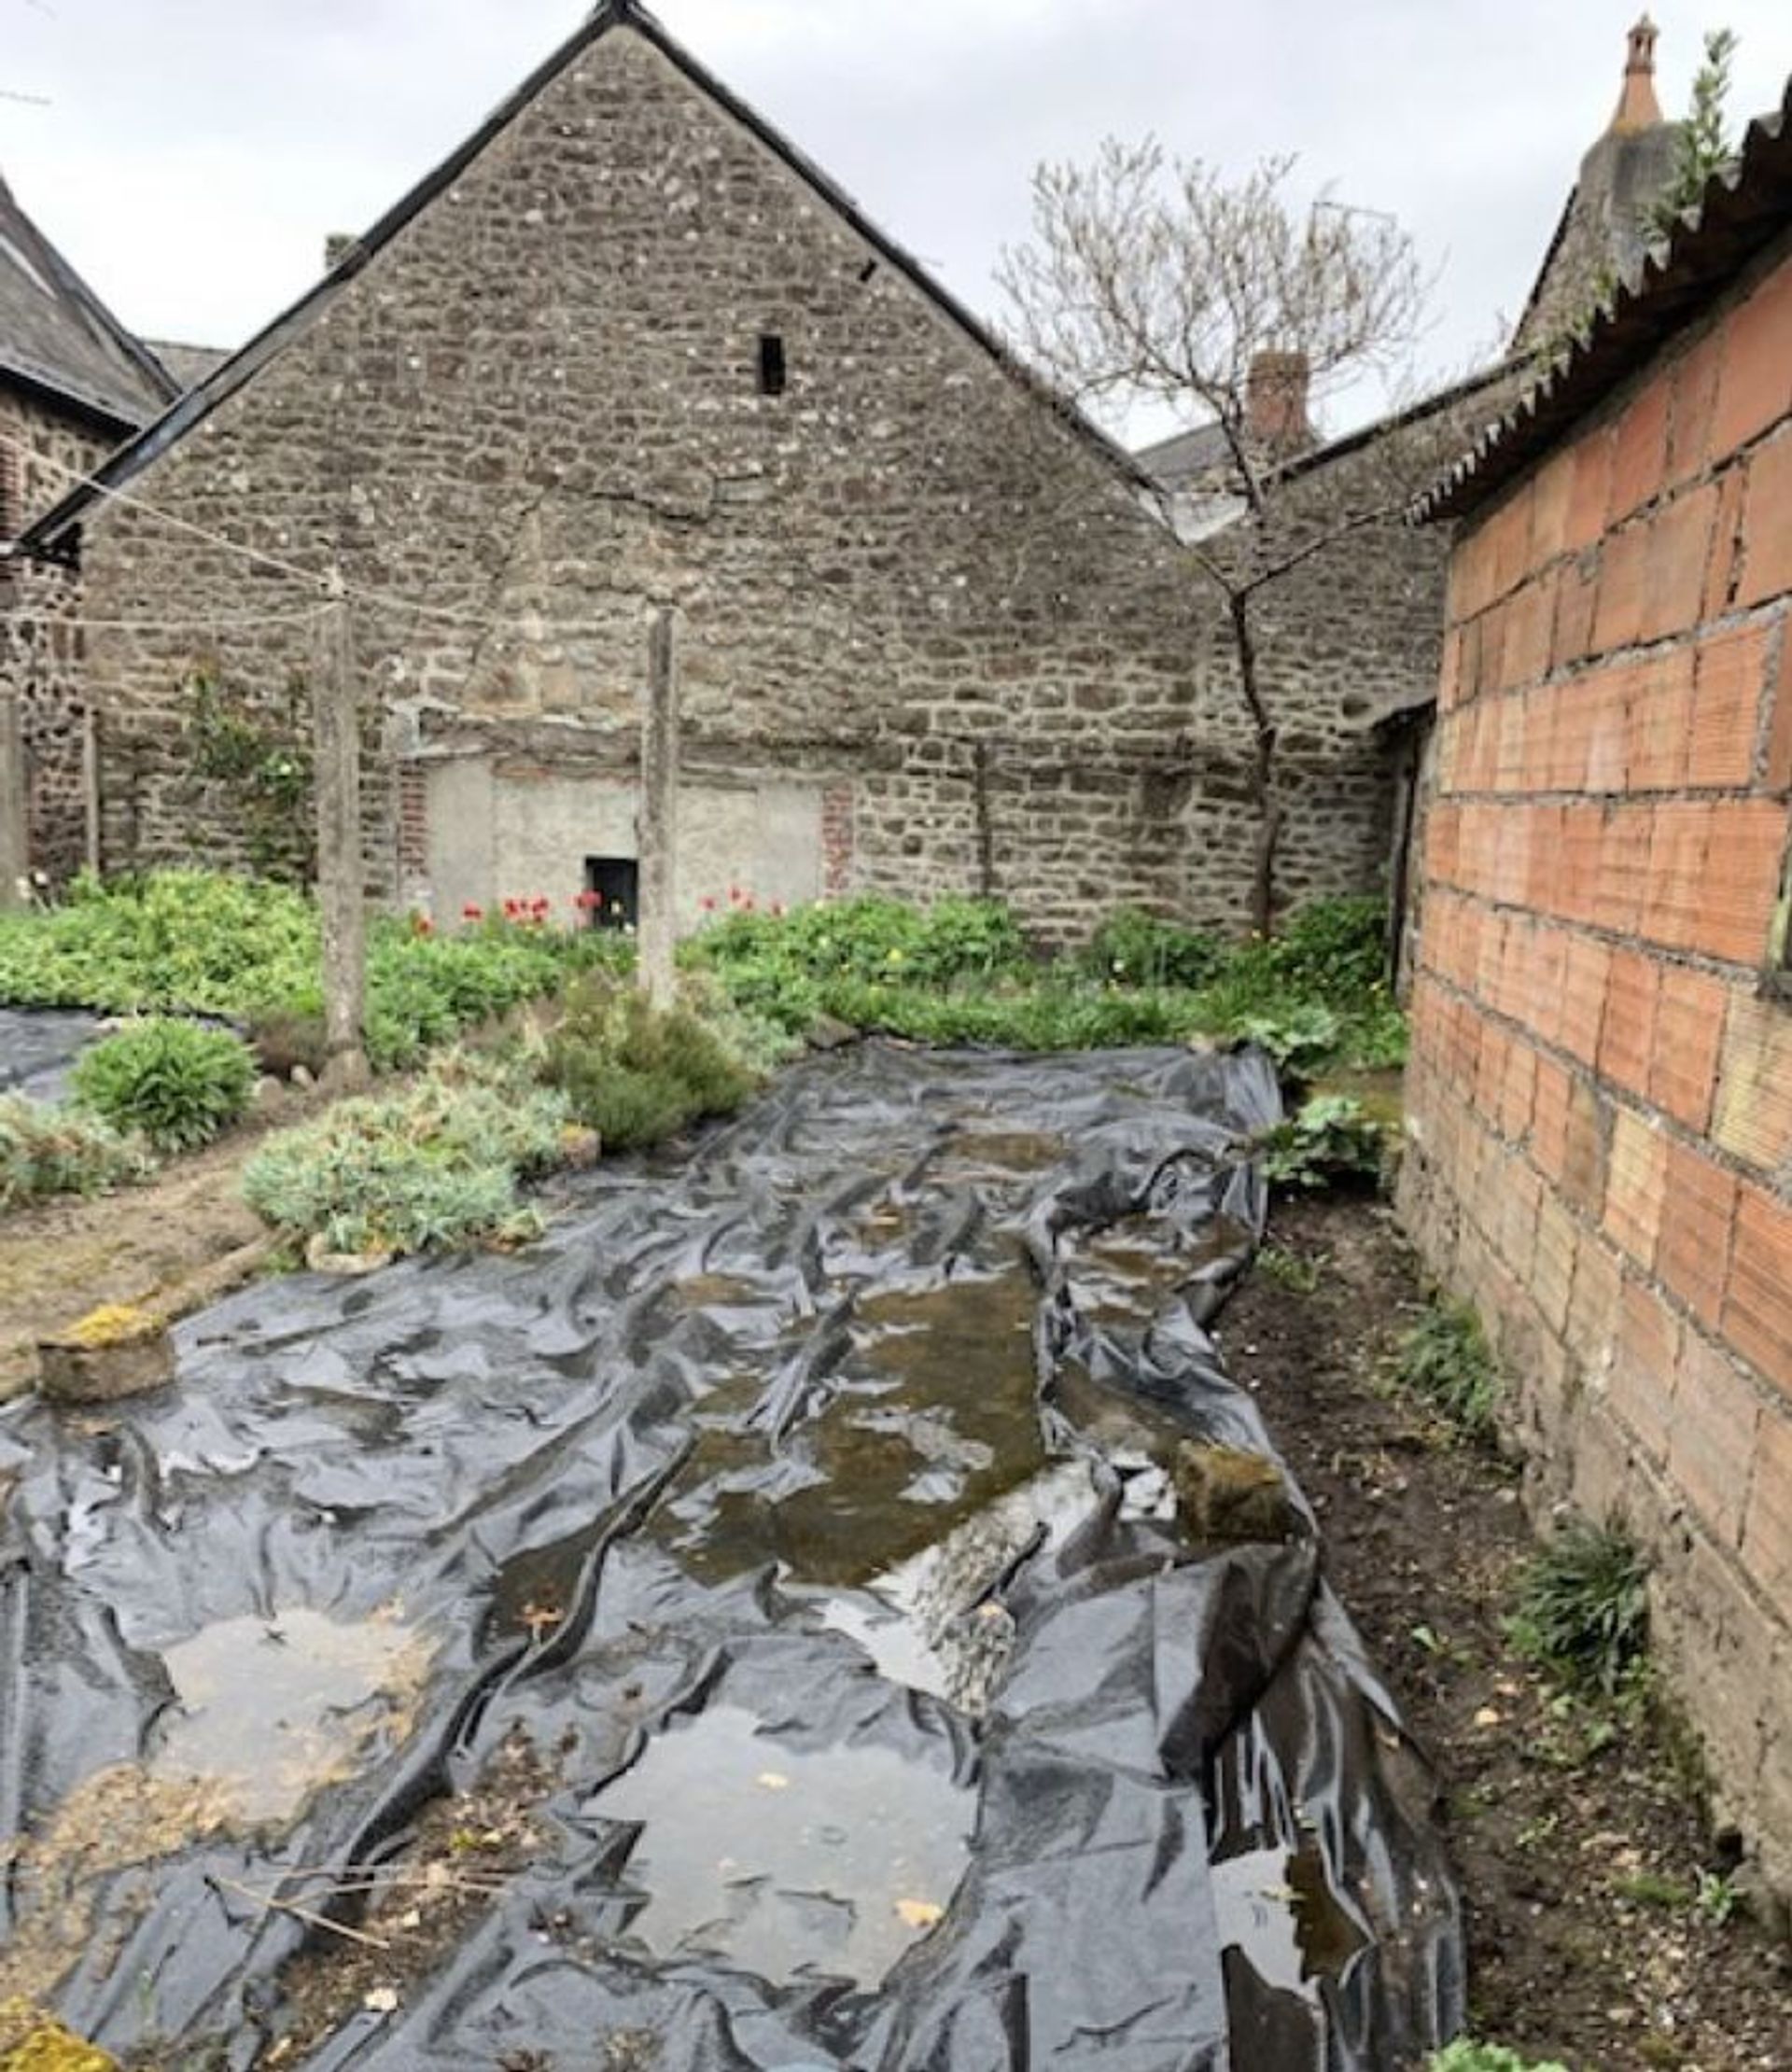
1579,1834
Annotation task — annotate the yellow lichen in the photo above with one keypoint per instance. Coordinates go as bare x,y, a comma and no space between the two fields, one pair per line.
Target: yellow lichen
114,1323
31,2041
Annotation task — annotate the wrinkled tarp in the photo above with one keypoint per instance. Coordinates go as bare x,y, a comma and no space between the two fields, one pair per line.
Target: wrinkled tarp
1197,1833
38,1045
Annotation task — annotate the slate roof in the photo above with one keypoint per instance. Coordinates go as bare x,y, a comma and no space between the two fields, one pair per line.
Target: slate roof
1187,457
1742,211
188,364
47,536
59,340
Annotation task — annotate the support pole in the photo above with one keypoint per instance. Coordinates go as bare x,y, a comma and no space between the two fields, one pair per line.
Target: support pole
15,850
659,830
340,870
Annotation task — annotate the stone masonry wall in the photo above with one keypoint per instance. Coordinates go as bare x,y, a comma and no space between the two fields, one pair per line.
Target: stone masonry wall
42,648
903,580
1601,1088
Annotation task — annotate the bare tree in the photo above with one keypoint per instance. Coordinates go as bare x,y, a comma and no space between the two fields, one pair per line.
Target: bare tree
1154,279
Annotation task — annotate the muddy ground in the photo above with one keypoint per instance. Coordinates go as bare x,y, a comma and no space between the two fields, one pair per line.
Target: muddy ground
1579,1837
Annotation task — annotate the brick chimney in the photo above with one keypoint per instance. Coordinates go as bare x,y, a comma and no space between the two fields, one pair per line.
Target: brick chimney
1637,106
1275,403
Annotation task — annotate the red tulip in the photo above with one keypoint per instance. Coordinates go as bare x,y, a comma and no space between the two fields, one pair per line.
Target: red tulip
471,913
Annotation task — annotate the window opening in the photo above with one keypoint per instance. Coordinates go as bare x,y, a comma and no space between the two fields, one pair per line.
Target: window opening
613,889
772,372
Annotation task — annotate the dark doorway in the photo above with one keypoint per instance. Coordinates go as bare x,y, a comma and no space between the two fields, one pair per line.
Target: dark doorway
614,883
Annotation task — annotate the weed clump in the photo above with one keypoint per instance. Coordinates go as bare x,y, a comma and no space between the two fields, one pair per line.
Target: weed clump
635,1073
440,1165
1446,1360
1330,1141
55,1151
1465,2056
1583,1608
178,1083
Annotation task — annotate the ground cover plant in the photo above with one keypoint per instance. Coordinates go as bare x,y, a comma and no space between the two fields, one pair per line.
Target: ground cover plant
179,1083
1330,1140
635,1073
960,971
1582,1609
250,951
55,1151
1445,1359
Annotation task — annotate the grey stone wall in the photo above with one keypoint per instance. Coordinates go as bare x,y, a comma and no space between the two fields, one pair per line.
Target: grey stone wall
902,583
42,645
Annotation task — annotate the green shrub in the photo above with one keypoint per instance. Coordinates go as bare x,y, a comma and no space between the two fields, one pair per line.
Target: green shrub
1583,1608
635,1073
1135,948
441,1164
1464,2056
178,1083
284,1039
55,1151
1329,1140
1446,1359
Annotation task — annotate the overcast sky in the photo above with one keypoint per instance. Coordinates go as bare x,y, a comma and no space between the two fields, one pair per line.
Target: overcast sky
195,153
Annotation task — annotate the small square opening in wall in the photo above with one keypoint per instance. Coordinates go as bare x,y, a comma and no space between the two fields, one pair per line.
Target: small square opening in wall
613,884
773,373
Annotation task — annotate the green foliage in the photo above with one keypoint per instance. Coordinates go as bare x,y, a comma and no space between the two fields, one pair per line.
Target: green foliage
1328,1141
635,1073
250,951
1583,1608
263,755
1135,948
1301,1039
1446,1360
1702,146
55,1151
1288,1269
177,1083
439,1165
1465,2056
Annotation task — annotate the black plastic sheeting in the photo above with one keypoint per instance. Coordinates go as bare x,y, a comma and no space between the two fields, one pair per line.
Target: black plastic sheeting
892,1369
38,1045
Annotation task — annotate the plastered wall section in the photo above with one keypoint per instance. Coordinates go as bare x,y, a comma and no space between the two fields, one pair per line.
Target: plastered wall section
1600,1089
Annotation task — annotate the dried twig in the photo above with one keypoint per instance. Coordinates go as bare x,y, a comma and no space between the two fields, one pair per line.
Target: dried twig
303,1914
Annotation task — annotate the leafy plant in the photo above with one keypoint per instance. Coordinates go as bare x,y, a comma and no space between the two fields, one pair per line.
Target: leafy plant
1329,1139
1136,949
1446,1359
262,752
635,1073
178,1083
1583,1607
1466,2057
55,1151
1717,1898
441,1164
1288,1269
1703,146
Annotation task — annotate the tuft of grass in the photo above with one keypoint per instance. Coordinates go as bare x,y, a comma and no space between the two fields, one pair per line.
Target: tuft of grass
178,1083
1465,2056
1445,1361
55,1151
1583,1610
1288,1269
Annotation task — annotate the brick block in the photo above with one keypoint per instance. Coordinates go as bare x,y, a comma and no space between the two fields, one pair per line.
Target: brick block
1688,1035
1573,877
1660,722
1681,539
1767,519
1576,601
1544,980
1710,1444
1517,1091
1745,856
1754,1104
1530,629
1639,453
1608,732
1552,495
1692,396
1767,1524
1591,489
1510,527
1779,735
1723,574
1692,1252
1552,1271
1648,1363
1730,689
1621,886
1755,376
1592,1307
1623,588
1583,1154
1586,976
1758,1297
1636,1184
1673,906
1570,741
1627,1036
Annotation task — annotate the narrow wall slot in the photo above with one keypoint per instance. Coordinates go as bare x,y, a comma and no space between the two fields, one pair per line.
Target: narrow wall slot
772,374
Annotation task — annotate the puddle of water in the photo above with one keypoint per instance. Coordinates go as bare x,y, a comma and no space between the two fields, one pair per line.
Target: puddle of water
1000,1154
270,1709
1276,1909
717,1291
1123,1274
785,1863
933,1417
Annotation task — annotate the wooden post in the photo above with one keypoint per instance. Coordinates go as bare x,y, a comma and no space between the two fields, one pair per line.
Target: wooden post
659,825
15,843
340,869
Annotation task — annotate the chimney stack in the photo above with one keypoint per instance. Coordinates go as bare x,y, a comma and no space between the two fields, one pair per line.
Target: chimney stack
1637,106
1275,403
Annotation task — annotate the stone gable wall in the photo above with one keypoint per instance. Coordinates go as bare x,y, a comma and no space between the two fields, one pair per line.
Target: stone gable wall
1601,1086
902,582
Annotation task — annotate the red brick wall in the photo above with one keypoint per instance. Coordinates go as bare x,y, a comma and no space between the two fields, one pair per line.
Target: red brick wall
1601,1093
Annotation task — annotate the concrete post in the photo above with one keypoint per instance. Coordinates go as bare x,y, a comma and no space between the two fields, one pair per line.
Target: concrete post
92,800
340,871
659,837
15,847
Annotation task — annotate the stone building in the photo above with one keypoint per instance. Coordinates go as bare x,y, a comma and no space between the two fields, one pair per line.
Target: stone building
627,347
1601,1087
73,383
